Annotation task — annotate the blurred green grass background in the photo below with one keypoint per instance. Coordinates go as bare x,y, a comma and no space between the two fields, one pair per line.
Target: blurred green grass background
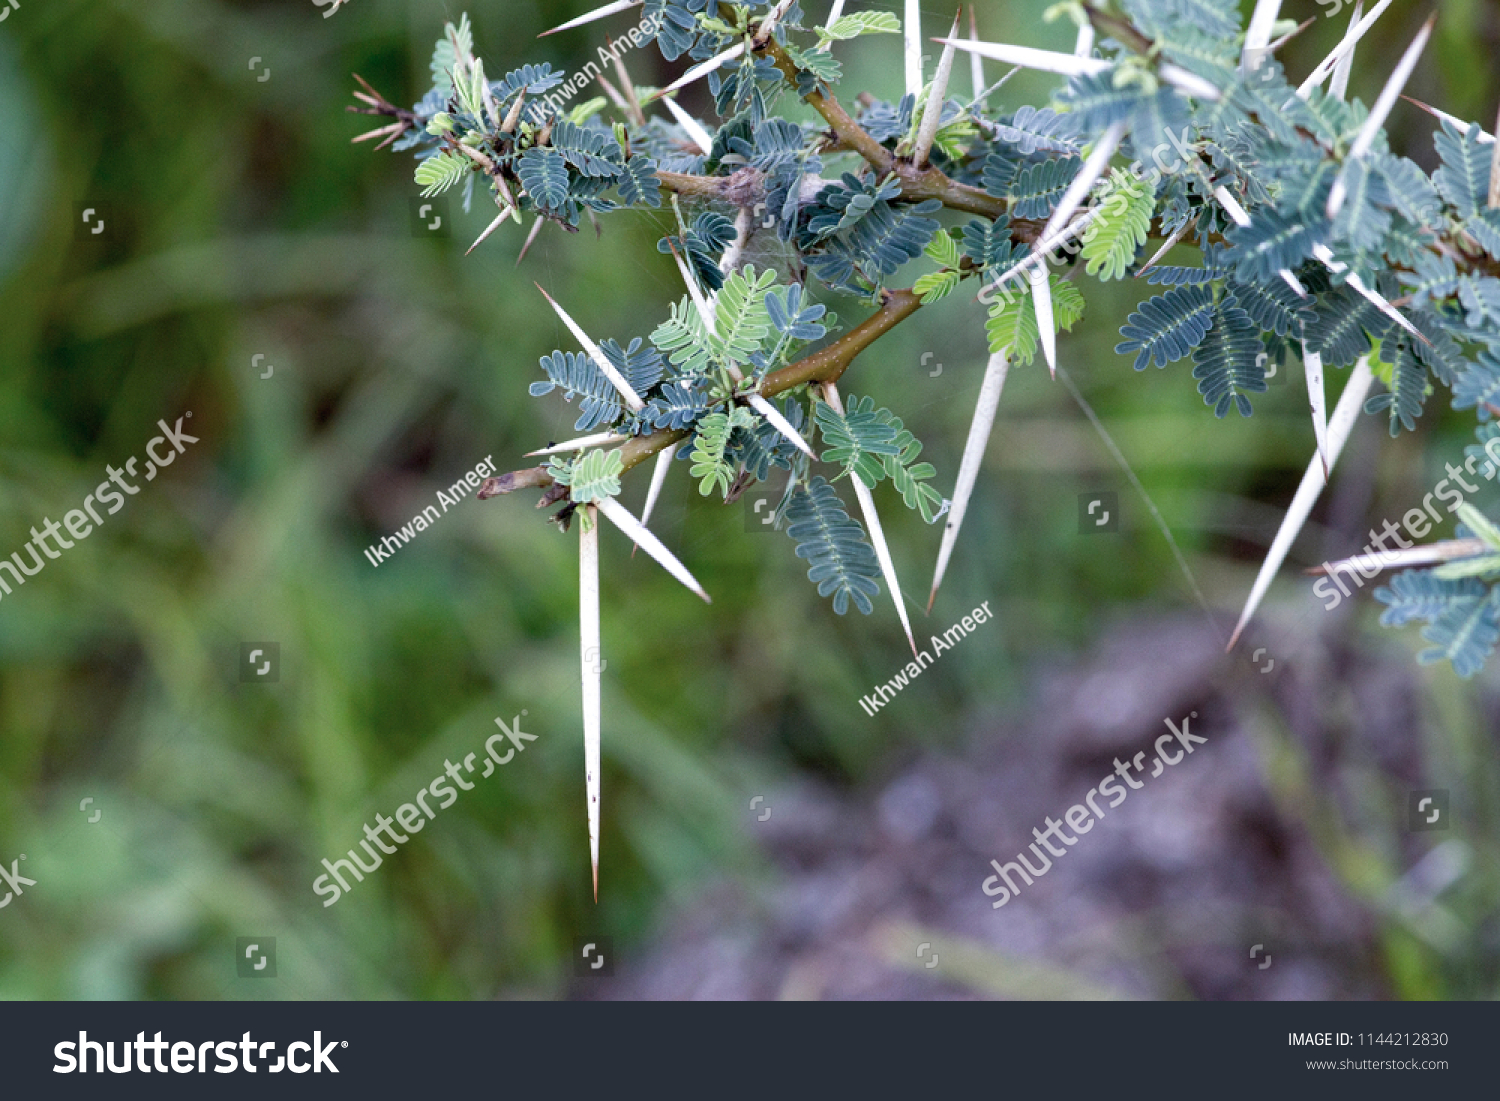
244,223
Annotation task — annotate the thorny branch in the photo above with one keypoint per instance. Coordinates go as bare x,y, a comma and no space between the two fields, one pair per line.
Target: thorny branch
825,365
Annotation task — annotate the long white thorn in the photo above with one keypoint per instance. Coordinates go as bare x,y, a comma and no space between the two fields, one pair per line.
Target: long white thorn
599,439
1170,243
1048,61
1374,297
627,87
1324,67
1457,122
592,664
912,25
598,13
1046,322
643,538
695,292
1339,427
693,127
835,13
659,473
968,469
1189,83
1338,87
1494,195
780,423
697,72
976,63
1312,366
1041,289
1258,35
536,228
614,95
1083,183
932,117
1274,47
1446,551
632,399
1380,112
1238,215
1083,45
499,218
768,24
877,533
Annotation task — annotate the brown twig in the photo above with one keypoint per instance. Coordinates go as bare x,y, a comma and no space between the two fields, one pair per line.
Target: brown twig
917,184
825,365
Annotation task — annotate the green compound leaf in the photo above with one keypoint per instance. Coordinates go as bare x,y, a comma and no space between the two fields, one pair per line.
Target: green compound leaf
1464,179
859,439
1038,187
684,340
544,173
1166,328
1229,361
937,285
638,182
743,322
1124,222
909,476
944,249
858,23
1406,381
438,173
1012,322
456,42
594,153
843,563
596,475
709,447
1465,634
1419,594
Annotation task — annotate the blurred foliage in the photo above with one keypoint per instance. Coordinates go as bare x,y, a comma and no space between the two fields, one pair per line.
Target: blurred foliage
243,223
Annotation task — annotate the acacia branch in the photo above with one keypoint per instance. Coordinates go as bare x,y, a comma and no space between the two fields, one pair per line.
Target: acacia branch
917,184
825,365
